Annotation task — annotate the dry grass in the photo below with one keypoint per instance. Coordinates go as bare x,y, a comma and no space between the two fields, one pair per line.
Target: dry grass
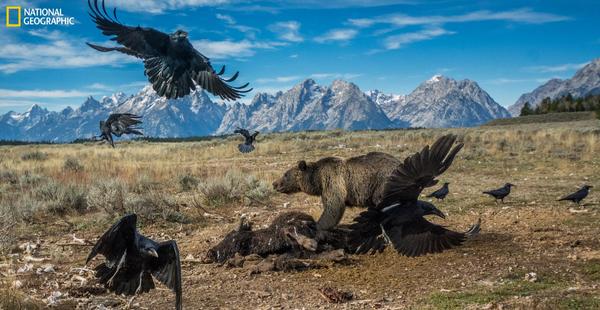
172,186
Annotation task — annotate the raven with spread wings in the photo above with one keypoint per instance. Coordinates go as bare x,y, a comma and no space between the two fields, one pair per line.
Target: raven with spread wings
119,124
248,145
399,218
171,63
132,259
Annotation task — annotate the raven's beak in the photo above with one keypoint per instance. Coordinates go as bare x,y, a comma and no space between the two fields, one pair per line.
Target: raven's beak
438,213
153,253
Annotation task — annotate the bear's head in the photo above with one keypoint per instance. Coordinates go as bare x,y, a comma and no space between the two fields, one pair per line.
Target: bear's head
297,179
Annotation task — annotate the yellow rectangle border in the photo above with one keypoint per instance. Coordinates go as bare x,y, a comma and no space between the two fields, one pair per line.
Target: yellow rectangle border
10,8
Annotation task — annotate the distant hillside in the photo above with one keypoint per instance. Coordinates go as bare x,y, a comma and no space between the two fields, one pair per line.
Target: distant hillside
585,82
543,118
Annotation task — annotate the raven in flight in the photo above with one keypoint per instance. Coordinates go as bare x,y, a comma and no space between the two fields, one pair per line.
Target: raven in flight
247,146
579,195
119,124
441,193
171,63
500,193
399,218
132,260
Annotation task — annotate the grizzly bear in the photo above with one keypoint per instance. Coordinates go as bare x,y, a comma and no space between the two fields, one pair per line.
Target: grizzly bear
356,181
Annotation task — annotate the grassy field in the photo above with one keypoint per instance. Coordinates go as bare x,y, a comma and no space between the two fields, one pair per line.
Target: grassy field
544,118
533,252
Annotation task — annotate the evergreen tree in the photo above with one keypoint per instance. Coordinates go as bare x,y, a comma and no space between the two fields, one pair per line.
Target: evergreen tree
526,110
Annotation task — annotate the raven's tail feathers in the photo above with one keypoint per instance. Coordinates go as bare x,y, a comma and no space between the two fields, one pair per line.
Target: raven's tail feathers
246,148
474,230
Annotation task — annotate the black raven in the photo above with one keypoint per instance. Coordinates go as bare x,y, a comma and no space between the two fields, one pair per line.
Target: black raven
500,193
171,63
399,217
119,124
247,146
132,260
579,195
441,193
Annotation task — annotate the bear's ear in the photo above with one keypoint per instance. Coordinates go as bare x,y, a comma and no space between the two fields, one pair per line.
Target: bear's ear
302,165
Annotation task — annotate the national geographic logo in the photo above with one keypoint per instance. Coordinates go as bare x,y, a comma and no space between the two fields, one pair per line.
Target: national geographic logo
13,16
17,16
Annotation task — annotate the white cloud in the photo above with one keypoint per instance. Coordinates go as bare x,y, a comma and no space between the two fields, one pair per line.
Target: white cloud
226,18
37,93
232,49
98,86
58,51
345,76
294,56
288,31
19,104
160,6
275,6
401,40
523,15
115,88
232,23
279,79
557,68
503,81
337,35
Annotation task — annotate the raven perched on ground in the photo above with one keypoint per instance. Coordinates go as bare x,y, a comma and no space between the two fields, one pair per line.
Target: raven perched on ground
441,193
132,260
579,195
247,146
399,217
119,124
500,193
171,63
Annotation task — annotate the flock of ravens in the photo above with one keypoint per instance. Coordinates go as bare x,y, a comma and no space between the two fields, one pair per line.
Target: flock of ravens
175,68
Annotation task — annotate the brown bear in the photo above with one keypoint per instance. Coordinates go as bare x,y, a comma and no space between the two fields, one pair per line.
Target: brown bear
356,181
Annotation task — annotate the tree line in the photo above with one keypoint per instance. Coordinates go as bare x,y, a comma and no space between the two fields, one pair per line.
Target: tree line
564,104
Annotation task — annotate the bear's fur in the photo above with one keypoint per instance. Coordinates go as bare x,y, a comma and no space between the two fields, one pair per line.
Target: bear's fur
356,181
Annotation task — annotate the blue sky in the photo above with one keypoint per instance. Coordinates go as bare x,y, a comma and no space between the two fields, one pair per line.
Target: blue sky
508,47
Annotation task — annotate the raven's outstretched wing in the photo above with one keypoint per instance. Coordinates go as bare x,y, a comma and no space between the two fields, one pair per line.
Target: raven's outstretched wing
419,171
420,237
116,240
212,81
243,132
167,269
124,123
173,74
138,41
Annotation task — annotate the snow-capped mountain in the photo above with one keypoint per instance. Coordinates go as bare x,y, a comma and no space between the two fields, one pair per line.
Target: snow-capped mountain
308,106
442,102
193,115
438,102
585,82
391,104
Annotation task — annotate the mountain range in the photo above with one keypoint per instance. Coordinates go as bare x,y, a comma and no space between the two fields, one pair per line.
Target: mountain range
586,81
438,102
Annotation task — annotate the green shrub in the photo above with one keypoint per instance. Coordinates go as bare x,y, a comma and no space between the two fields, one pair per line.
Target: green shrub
9,176
72,165
34,155
108,195
188,182
235,186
